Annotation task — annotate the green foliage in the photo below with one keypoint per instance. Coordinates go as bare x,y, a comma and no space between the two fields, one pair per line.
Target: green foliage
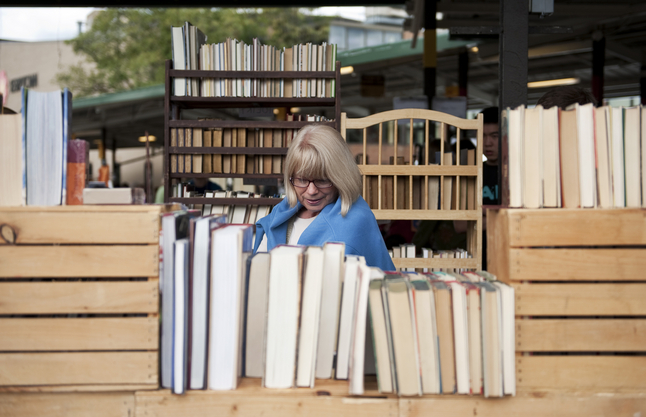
126,48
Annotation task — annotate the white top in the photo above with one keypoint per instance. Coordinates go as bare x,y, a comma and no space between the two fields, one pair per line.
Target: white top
299,227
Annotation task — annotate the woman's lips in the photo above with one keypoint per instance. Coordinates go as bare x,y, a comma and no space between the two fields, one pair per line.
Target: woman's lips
313,202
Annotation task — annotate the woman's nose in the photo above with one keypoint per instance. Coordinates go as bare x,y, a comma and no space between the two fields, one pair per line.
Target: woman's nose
311,188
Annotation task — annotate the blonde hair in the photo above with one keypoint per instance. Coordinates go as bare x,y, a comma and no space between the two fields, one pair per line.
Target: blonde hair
319,151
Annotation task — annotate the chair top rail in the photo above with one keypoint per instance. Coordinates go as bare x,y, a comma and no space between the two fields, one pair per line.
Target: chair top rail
431,115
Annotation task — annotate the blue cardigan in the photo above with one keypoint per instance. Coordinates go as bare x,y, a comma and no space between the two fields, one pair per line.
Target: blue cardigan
358,230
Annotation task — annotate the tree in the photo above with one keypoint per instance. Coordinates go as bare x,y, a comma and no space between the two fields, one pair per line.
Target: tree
126,48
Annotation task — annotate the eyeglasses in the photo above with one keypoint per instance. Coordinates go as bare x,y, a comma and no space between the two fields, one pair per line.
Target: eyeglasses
303,183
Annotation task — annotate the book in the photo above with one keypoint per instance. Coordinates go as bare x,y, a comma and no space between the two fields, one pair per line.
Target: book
603,154
443,306
218,159
241,163
256,314
207,159
643,154
346,315
310,317
198,143
333,269
380,339
533,158
180,316
427,334
113,196
617,150
515,122
11,160
188,142
585,139
508,336
447,184
568,128
179,59
359,349
199,295
491,340
404,338
77,159
474,320
632,156
46,146
283,314
230,247
174,226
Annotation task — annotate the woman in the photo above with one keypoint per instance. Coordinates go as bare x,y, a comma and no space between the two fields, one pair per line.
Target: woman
323,202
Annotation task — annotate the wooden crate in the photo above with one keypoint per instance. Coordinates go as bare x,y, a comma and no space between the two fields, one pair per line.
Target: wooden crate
79,298
580,282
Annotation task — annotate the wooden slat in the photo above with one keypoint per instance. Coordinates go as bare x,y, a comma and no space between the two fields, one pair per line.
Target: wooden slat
498,244
268,403
577,227
51,334
535,404
68,405
83,224
589,299
418,170
79,261
426,214
576,335
80,388
597,373
78,368
577,264
88,297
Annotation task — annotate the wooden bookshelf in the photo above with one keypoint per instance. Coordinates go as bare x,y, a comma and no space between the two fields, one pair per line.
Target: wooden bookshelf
580,290
174,105
372,130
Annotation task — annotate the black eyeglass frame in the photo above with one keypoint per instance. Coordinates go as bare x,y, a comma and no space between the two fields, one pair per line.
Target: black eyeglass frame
291,180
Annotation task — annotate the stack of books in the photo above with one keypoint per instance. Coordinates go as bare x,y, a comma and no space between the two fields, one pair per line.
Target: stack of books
297,314
578,157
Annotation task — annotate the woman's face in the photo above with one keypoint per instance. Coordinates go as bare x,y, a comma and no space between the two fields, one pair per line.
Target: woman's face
314,199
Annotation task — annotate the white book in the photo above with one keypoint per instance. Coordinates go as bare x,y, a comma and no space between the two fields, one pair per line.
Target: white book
424,302
617,129
310,317
258,285
330,295
200,297
230,247
551,158
516,120
179,59
346,318
507,337
532,158
358,345
180,316
45,147
426,253
11,161
632,156
460,334
587,171
283,310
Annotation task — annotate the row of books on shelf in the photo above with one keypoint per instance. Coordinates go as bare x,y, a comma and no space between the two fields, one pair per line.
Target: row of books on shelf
34,150
235,213
191,52
410,251
237,138
578,157
297,314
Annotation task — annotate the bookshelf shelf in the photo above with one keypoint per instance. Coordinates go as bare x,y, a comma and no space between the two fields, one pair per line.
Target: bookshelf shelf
173,116
404,191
